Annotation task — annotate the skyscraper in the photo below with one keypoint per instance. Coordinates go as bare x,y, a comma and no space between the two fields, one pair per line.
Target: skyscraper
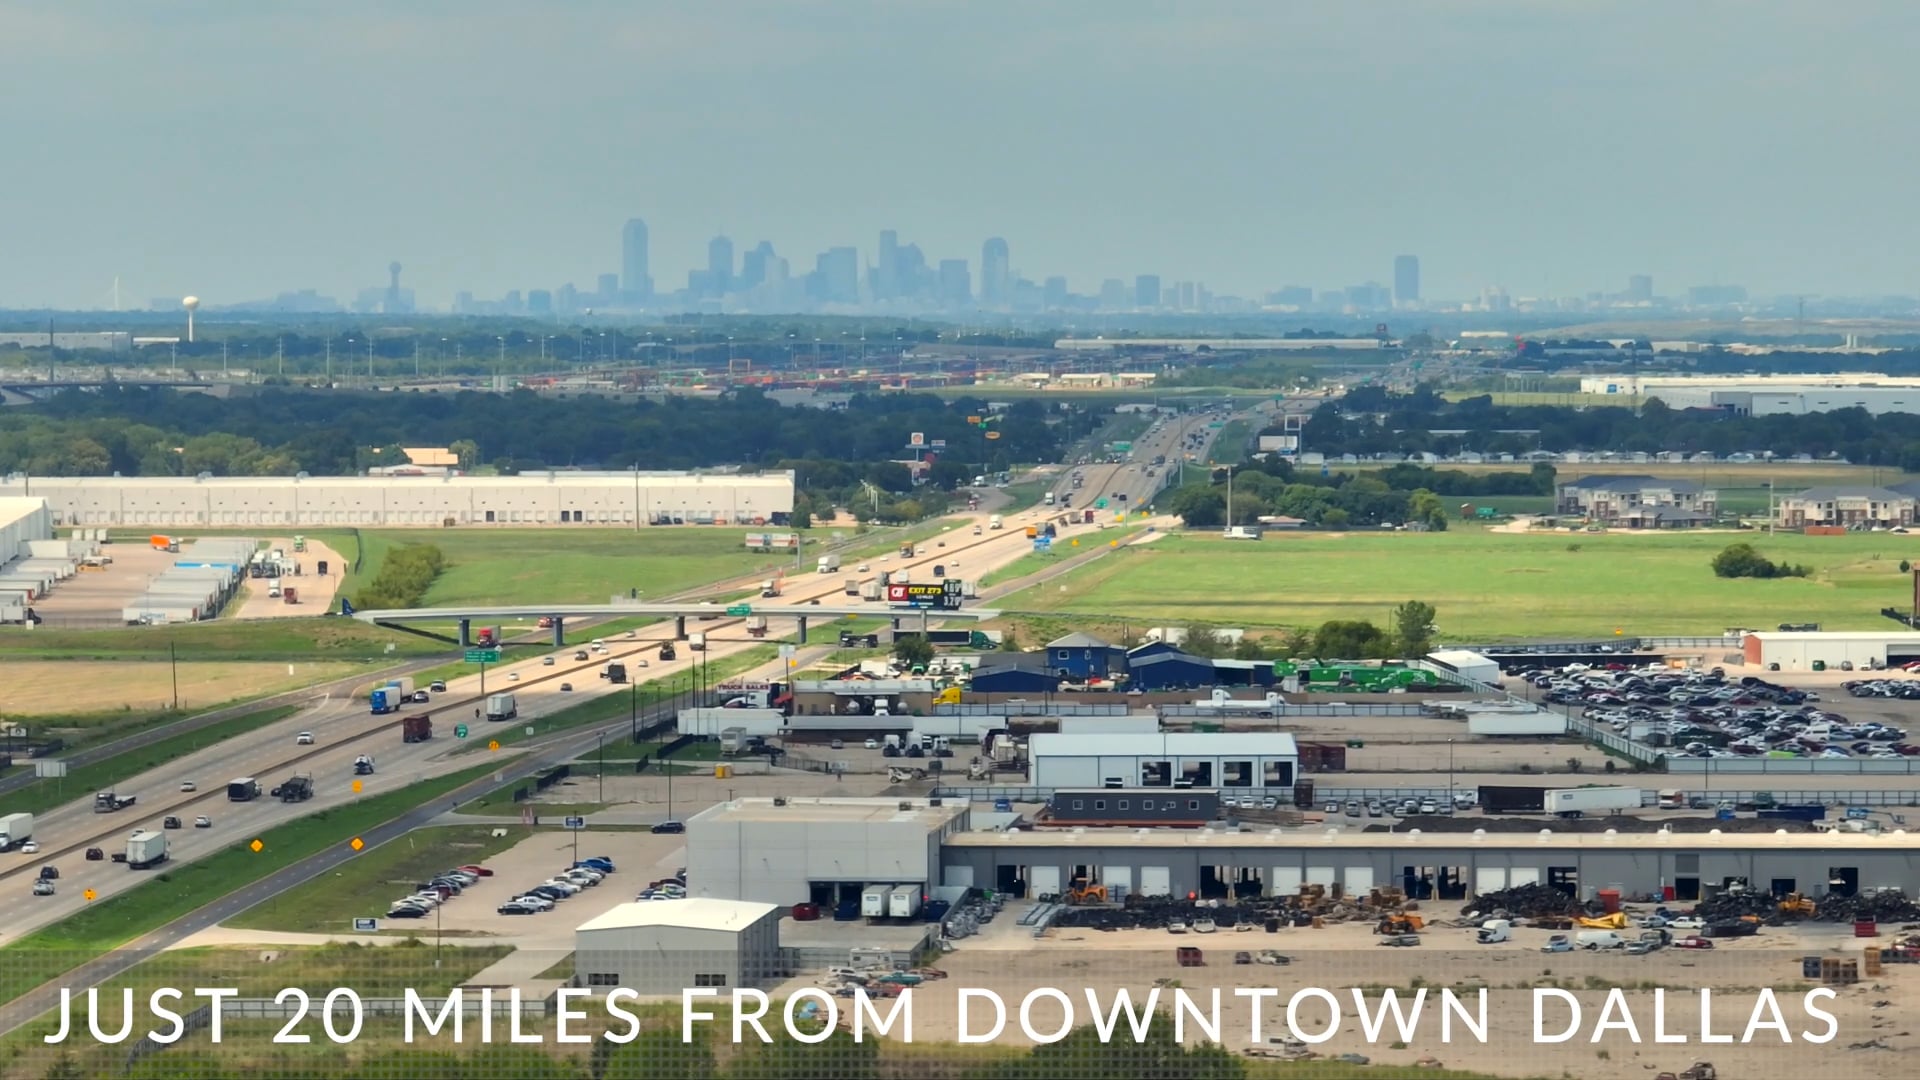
887,273
633,260
956,285
1640,288
1146,291
1113,294
720,265
753,266
996,274
1406,280
1054,293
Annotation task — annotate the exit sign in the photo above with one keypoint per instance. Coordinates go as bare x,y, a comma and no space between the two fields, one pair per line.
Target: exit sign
483,656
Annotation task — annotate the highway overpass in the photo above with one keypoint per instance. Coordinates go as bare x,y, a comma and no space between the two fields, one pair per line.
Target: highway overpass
402,618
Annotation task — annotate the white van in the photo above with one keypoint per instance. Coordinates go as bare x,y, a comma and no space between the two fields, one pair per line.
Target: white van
1599,939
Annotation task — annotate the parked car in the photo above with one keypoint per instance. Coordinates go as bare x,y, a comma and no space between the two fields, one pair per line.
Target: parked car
670,827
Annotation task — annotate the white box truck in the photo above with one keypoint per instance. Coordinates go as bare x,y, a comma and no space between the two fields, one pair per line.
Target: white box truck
403,685
1495,931
995,522
502,707
146,848
873,901
696,642
851,587
1574,802
903,902
15,829
870,590
829,564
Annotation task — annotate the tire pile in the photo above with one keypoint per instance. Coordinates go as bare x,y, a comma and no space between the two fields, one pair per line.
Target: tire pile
1525,902
1887,906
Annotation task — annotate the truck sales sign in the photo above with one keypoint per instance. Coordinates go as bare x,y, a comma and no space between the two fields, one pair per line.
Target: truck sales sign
937,594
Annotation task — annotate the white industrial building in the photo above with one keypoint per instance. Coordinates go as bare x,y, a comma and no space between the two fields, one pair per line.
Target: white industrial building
22,521
655,947
1468,665
796,850
1762,395
1829,650
1229,761
548,498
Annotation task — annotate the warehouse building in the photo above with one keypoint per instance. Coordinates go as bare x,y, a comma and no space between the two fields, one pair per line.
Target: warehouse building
1215,863
1259,762
664,946
821,851
1830,651
551,498
22,521
1468,665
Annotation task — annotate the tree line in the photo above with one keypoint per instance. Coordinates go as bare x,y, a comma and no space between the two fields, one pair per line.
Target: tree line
1371,420
281,432
406,574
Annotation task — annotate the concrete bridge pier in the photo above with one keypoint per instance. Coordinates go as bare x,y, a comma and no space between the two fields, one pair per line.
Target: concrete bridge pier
559,631
679,628
803,629
466,633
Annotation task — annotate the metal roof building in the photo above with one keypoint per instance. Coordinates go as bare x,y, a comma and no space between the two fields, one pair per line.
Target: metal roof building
1231,761
1801,651
548,498
787,850
664,946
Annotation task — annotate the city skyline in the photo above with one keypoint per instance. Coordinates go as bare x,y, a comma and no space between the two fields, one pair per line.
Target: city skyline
1247,146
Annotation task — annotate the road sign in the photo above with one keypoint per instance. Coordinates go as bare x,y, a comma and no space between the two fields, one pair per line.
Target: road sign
1042,543
1099,504
257,846
483,656
356,843
786,652
493,744
948,594
459,731
89,895
739,610
576,823
49,769
365,926
356,787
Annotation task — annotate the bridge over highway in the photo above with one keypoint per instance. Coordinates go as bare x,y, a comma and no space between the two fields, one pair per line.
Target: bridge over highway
402,618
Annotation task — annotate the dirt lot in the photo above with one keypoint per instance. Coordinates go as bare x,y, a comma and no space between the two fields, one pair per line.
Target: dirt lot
1007,960
65,687
316,592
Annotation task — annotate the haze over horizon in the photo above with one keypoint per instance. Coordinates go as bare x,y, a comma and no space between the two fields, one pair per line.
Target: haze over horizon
1547,148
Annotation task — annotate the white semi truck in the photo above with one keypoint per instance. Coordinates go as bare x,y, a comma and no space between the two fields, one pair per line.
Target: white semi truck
829,564
15,829
1575,802
146,848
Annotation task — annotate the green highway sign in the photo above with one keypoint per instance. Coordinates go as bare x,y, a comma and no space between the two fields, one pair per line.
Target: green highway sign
459,731
740,609
1216,425
483,656
1100,504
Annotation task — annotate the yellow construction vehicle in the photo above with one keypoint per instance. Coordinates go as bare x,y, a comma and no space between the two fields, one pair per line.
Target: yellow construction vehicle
1615,921
1400,924
1084,892
1796,904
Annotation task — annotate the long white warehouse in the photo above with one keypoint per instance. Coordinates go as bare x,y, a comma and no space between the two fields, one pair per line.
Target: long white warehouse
1224,760
547,498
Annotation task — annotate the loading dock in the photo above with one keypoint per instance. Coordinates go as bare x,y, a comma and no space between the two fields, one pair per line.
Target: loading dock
1043,881
1156,881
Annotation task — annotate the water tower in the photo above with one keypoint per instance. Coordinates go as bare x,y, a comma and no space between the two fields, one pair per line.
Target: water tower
191,303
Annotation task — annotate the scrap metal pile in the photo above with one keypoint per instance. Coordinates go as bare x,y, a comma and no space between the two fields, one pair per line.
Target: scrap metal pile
1313,903
1526,902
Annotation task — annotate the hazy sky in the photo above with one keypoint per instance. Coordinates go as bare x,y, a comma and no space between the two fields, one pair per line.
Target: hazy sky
1544,146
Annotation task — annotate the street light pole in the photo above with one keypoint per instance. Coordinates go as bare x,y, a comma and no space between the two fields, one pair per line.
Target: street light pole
601,752
1449,776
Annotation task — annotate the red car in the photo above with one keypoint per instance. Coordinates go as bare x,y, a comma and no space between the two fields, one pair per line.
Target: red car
1693,942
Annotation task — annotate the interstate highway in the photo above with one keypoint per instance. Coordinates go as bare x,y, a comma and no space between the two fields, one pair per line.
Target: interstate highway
344,729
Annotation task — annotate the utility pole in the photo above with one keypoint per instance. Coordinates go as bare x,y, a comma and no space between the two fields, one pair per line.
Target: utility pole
173,662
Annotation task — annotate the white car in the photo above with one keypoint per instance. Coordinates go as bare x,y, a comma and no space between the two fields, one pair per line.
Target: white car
563,885
1688,922
862,568
513,676
535,900
872,744
188,785
30,848
305,738
546,661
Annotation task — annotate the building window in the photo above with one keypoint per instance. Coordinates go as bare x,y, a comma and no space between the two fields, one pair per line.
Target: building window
1193,804
1079,804
1098,804
709,980
603,978
1123,804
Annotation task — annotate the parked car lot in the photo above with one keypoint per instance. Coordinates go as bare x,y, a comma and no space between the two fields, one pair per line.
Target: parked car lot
571,882
1704,714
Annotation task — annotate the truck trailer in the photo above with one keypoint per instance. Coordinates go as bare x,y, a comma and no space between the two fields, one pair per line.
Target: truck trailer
383,700
106,802
15,829
903,902
502,707
1575,802
1504,799
873,901
245,789
146,848
418,728
829,564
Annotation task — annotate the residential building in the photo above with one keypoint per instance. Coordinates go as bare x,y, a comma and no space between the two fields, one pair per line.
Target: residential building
1638,502
1849,506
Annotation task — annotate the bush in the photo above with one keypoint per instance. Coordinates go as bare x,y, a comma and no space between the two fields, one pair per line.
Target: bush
404,578
1743,561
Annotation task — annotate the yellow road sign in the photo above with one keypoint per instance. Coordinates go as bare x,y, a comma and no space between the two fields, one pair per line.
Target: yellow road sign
257,846
357,844
356,787
89,894
493,744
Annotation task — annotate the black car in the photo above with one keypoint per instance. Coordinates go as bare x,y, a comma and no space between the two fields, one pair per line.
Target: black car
49,873
670,827
548,891
407,911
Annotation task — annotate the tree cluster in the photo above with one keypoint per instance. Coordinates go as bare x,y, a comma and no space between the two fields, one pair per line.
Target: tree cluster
1744,561
405,576
283,431
1355,500
1372,420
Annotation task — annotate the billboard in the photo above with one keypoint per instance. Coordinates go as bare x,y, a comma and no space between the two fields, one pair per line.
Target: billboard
935,594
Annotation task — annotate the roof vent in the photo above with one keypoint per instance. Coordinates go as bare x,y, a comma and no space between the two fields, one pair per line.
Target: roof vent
779,800
904,805
935,801
1479,835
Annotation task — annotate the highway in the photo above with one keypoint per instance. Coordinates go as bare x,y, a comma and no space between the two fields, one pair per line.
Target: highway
343,729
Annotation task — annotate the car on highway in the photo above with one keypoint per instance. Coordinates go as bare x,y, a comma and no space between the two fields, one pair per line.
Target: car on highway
30,848
188,785
43,888
203,822
872,744
49,873
305,738
566,688
580,654
546,661
513,676
420,697
862,568
438,687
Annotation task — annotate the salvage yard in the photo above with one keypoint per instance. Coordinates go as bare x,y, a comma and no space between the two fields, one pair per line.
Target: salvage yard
1553,585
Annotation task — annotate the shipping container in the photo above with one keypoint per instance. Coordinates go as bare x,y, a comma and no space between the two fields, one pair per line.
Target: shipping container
1323,757
1539,724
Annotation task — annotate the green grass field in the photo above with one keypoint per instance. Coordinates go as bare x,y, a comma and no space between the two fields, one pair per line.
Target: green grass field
1487,585
581,566
303,639
41,796
362,888
170,894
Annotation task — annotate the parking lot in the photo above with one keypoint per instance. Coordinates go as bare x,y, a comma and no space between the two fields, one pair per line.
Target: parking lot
315,592
100,597
1709,714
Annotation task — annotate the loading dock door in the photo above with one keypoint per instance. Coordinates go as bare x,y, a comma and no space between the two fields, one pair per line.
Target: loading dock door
1320,875
957,877
1488,879
1518,877
1285,881
1358,880
1043,881
1156,881
1117,877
